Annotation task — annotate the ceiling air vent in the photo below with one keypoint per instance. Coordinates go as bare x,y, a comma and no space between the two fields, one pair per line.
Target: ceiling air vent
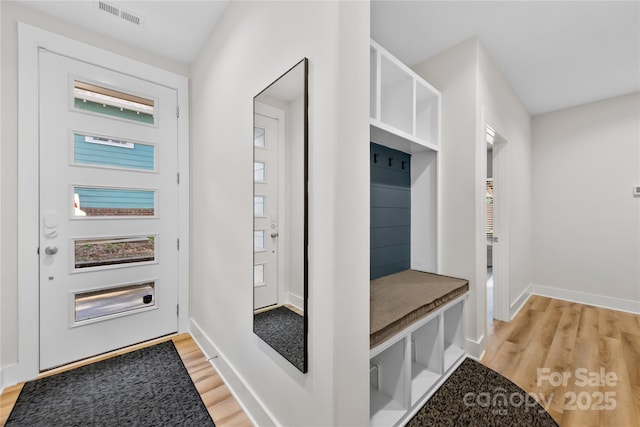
120,13
108,8
130,17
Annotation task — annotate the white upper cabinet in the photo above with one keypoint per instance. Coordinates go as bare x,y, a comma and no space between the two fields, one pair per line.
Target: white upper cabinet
402,103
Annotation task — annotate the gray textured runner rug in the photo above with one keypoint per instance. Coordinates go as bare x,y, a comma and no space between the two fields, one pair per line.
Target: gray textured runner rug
147,387
283,330
475,395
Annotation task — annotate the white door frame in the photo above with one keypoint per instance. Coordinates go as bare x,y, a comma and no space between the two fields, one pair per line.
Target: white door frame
272,112
30,40
500,250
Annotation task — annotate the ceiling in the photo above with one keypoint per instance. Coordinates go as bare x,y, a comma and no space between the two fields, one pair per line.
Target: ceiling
555,54
173,29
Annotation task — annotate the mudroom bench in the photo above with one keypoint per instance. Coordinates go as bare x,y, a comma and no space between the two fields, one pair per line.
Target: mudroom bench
416,339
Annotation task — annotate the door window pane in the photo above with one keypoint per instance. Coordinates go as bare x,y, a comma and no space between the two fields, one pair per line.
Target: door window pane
258,275
258,240
96,99
100,151
258,206
105,302
105,252
258,137
258,172
113,202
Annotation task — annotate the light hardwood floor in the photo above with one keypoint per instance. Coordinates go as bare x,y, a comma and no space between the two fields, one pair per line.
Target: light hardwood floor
222,406
575,341
546,333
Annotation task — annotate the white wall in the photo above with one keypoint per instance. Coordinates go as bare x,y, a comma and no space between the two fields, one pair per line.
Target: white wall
586,224
453,73
474,91
2,363
253,44
11,13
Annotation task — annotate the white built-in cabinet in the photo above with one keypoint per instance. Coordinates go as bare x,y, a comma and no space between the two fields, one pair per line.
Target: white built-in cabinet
405,115
403,104
407,368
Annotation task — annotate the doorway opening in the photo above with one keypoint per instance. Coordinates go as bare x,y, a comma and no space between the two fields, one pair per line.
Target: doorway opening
496,230
489,225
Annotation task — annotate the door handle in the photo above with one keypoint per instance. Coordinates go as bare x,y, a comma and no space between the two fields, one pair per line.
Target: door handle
51,250
274,234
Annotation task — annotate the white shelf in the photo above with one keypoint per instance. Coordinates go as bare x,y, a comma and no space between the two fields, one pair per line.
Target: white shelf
452,353
383,134
402,102
385,411
408,368
453,338
422,380
411,365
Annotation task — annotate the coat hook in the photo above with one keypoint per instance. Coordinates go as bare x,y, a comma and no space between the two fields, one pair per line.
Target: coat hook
375,157
390,161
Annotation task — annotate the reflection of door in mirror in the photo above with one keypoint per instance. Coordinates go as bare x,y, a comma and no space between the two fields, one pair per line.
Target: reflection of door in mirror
280,150
265,211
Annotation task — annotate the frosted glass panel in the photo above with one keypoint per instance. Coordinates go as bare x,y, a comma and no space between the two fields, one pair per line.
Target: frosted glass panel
258,172
258,240
258,206
91,305
258,137
258,275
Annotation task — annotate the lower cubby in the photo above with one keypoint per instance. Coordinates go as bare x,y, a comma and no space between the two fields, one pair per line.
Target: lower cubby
408,368
426,359
453,337
389,396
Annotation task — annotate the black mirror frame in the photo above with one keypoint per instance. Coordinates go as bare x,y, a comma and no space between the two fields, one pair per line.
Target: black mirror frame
305,62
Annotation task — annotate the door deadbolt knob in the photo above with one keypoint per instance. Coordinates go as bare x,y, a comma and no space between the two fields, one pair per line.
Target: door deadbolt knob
51,250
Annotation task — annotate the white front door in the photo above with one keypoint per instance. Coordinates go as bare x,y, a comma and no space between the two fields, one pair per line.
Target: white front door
108,210
265,211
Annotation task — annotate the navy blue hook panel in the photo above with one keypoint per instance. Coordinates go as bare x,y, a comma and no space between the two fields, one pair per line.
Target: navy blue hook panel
390,211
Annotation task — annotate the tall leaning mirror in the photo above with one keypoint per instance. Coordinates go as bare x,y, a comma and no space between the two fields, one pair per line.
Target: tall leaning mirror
280,279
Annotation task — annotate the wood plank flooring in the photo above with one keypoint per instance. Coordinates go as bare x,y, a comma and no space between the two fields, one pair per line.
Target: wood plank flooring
578,342
222,406
565,338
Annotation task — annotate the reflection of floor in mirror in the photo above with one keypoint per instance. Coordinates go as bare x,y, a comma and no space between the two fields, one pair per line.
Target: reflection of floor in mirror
295,309
283,330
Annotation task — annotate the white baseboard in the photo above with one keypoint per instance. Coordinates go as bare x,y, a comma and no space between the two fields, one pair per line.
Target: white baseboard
611,303
252,405
475,348
8,376
519,302
296,300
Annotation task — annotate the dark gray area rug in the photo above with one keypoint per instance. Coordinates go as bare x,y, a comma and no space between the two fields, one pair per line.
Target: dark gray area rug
283,330
475,395
147,387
